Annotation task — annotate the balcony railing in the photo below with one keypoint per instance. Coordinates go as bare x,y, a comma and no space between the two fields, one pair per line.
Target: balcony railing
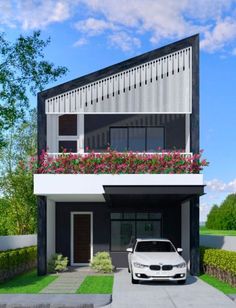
113,162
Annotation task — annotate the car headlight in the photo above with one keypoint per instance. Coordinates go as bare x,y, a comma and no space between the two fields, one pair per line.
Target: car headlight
181,265
139,265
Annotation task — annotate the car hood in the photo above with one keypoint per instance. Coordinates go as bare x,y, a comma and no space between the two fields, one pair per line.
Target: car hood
148,258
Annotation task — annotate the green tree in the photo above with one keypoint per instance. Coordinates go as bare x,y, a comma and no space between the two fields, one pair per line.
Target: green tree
23,71
224,216
18,205
213,218
20,144
227,213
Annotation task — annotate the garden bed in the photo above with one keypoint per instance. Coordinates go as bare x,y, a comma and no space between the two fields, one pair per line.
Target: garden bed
27,283
96,285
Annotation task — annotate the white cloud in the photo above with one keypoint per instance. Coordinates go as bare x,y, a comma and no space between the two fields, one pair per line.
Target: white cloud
124,41
223,33
158,20
81,42
30,14
217,185
92,26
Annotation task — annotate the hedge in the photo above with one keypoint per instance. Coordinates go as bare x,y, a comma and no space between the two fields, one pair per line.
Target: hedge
17,261
219,263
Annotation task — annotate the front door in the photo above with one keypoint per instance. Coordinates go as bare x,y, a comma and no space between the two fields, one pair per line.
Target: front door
81,238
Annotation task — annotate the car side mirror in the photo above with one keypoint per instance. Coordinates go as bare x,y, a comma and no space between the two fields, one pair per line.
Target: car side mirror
179,249
129,249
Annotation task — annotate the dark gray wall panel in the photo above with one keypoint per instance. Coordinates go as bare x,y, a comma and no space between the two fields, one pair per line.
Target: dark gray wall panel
96,128
42,236
171,226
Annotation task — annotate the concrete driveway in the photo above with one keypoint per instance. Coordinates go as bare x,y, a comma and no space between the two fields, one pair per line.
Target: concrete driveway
195,293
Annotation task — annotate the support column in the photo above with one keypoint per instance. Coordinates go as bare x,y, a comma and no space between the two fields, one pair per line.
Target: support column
42,236
194,237
185,231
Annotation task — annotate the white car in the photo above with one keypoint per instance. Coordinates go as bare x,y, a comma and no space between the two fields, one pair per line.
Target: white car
156,259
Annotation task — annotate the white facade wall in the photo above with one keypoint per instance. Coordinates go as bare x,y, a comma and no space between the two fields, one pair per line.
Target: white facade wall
17,241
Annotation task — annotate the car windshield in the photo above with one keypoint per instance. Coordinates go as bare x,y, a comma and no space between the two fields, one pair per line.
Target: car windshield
154,246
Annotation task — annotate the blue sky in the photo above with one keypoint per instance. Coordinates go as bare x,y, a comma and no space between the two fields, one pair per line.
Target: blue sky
89,35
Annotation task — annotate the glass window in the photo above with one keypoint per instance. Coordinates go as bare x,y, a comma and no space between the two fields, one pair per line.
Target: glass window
155,215
129,215
119,139
69,146
126,227
68,125
155,138
142,215
122,233
116,215
137,139
148,228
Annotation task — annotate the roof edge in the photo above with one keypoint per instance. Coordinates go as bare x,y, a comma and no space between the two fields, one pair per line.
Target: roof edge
120,66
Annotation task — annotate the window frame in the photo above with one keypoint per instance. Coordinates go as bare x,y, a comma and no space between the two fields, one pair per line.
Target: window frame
142,126
68,137
135,224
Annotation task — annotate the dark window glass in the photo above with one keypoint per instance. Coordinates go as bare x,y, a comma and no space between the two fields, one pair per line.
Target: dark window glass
126,227
119,139
116,215
155,215
148,229
137,139
68,125
142,215
154,246
129,215
70,146
155,138
122,233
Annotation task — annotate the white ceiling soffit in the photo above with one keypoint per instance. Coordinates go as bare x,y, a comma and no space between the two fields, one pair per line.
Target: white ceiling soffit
163,85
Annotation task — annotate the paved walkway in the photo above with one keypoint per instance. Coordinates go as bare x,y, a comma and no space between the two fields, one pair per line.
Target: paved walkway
195,294
67,282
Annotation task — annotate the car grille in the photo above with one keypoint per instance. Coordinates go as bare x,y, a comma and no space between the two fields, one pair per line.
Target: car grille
163,267
167,267
155,267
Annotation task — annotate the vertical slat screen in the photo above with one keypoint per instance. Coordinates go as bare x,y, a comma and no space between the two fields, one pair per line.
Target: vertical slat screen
159,86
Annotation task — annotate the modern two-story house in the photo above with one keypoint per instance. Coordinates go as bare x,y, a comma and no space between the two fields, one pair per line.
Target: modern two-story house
148,104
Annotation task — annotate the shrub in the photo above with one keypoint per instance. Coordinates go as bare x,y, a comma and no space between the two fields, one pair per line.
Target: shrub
17,261
219,263
113,162
102,262
57,263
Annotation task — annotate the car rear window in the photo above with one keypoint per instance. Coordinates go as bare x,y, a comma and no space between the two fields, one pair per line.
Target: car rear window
154,246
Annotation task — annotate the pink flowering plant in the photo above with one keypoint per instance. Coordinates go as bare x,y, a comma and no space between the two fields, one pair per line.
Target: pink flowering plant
113,162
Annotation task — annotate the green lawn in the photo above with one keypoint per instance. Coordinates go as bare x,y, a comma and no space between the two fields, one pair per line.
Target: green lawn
216,283
205,231
96,285
26,283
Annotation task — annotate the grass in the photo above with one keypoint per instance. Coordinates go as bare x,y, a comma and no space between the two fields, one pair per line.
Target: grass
220,285
96,285
26,283
205,231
